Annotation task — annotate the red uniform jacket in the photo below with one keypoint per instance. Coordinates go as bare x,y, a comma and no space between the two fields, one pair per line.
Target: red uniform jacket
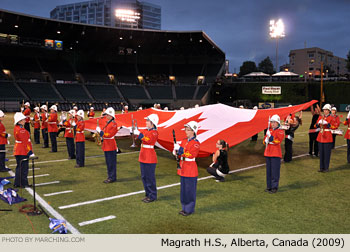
325,134
147,153
336,122
189,151
108,134
43,119
69,129
347,134
273,149
3,134
79,136
26,112
52,123
22,144
91,114
37,121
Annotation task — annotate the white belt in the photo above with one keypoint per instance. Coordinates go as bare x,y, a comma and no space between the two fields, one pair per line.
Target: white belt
18,141
80,131
348,128
51,123
108,138
188,159
147,146
67,128
326,130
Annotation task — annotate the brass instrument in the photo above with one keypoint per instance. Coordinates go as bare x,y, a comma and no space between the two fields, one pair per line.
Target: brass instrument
97,136
134,125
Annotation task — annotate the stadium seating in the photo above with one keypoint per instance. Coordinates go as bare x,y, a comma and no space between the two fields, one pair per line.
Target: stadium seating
123,73
104,93
73,92
133,92
58,68
185,92
8,92
202,91
160,92
39,91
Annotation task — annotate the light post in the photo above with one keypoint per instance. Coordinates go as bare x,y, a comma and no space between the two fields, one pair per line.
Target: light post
277,32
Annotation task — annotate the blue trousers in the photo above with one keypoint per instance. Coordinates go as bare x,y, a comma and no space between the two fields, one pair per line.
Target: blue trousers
53,138
148,177
45,137
273,167
325,150
70,147
348,142
80,159
188,194
37,136
111,161
2,157
21,178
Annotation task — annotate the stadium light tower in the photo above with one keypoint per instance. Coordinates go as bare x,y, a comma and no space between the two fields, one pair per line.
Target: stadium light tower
277,32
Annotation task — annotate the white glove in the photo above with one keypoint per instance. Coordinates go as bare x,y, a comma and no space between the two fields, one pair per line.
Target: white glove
8,135
211,165
174,152
348,116
176,146
73,123
137,132
32,118
324,122
321,121
98,129
268,133
267,140
32,155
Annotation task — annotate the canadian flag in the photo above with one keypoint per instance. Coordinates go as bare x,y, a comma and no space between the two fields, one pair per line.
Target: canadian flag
215,122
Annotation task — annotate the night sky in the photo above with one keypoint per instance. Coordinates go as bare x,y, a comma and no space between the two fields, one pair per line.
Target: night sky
240,28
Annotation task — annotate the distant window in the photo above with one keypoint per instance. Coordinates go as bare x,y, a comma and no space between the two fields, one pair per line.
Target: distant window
311,55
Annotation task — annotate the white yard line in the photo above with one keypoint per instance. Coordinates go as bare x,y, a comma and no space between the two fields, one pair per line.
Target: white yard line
97,220
40,175
47,183
57,193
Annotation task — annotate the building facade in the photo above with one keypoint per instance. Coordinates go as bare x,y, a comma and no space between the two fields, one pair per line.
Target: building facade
114,13
307,61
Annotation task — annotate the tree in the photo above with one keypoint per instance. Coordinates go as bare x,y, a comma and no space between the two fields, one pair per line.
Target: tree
348,62
266,66
247,67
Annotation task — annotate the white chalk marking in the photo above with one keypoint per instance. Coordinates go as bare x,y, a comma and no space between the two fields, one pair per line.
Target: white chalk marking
57,193
47,183
97,220
40,175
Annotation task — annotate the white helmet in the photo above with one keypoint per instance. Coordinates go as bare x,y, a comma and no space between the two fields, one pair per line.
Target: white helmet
44,107
255,108
241,107
2,113
54,107
327,106
290,105
19,117
140,108
275,118
126,107
36,109
27,104
166,109
92,108
193,126
75,107
81,113
196,106
110,111
334,108
153,118
72,112
182,108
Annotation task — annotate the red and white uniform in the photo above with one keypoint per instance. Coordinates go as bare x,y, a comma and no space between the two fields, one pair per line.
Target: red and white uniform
109,143
27,112
52,123
68,129
3,134
336,122
37,121
273,148
43,119
189,152
91,114
79,136
147,153
347,134
325,134
22,141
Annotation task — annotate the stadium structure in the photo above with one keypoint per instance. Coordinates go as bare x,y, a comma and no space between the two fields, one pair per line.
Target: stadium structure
44,60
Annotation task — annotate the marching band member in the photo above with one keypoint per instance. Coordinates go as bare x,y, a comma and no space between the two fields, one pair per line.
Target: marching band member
91,113
69,134
3,141
44,118
22,150
166,109
36,126
75,108
324,138
347,135
313,131
336,123
61,127
125,110
273,154
148,157
52,127
188,151
140,108
219,168
80,139
109,145
288,143
26,113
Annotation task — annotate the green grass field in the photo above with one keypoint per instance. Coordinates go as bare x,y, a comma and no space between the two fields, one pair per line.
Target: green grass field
307,201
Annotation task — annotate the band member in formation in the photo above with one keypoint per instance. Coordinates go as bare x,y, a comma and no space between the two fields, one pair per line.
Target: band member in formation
26,113
188,151
255,137
109,145
336,123
75,108
69,134
91,113
3,141
125,109
52,127
219,168
273,154
22,150
80,139
288,144
347,135
313,131
61,127
166,109
140,108
148,157
44,119
324,138
36,125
